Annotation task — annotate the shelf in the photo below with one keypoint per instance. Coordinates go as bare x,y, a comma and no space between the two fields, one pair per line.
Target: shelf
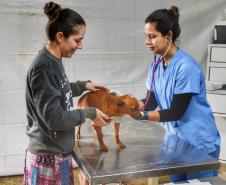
222,115
221,91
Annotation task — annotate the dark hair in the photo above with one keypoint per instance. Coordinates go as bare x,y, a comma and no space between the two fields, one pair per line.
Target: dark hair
166,20
61,20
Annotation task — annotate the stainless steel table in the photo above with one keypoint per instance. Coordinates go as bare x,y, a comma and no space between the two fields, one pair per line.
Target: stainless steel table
150,152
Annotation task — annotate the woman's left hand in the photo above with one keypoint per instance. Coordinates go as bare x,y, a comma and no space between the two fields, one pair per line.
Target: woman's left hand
95,86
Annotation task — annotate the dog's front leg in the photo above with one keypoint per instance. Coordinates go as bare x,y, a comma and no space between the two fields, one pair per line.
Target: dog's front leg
119,144
103,147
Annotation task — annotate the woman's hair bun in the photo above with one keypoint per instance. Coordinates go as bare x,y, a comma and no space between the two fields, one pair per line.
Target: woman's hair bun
52,10
175,11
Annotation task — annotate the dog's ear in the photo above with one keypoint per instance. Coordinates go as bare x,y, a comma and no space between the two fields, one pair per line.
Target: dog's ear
120,103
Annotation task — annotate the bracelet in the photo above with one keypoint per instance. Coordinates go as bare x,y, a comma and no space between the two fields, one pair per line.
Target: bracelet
144,115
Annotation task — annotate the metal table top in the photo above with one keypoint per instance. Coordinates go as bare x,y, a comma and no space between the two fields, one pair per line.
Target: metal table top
149,152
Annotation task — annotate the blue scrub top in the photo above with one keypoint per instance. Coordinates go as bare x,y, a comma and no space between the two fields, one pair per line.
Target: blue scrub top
184,75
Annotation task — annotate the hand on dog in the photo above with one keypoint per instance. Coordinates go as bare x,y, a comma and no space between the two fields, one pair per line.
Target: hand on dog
101,119
95,86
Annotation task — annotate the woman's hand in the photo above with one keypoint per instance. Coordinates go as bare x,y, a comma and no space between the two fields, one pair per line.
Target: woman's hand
95,86
101,119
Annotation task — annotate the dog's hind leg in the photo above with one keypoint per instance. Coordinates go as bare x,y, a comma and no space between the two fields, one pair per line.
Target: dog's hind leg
103,147
119,144
78,132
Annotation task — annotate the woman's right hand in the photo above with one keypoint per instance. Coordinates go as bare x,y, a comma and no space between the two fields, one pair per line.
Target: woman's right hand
101,119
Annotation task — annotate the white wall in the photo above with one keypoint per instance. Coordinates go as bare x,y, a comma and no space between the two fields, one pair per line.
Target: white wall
114,53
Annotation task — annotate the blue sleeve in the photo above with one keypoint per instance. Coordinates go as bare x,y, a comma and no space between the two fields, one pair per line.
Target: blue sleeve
188,79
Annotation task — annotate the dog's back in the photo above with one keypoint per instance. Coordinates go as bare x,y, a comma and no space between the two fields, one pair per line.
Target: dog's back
98,99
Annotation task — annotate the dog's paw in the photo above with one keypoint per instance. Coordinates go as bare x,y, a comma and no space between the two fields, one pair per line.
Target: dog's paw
121,146
103,148
78,136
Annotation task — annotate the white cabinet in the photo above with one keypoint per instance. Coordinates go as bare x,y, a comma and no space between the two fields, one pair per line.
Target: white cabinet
216,76
216,95
217,100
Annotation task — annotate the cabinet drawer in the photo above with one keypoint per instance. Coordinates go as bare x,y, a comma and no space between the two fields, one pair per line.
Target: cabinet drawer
218,54
217,74
217,102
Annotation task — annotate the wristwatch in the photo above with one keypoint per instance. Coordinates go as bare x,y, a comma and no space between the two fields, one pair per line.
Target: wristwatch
144,115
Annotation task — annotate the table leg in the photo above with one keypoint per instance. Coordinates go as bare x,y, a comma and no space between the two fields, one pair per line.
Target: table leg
153,181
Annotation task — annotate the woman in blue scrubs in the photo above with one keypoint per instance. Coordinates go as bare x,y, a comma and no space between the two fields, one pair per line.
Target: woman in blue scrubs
176,85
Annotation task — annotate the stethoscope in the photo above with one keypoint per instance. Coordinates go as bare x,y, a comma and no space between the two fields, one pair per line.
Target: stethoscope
156,62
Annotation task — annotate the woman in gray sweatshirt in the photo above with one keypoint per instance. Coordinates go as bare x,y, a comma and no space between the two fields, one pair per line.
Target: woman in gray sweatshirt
50,114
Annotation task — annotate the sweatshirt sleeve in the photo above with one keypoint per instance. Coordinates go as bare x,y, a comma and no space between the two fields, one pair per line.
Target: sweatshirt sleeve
48,100
78,87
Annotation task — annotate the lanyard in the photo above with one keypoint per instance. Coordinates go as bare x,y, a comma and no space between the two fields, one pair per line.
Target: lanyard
152,80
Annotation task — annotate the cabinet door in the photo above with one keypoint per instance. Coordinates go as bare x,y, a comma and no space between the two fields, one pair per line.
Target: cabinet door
217,102
218,54
216,63
217,74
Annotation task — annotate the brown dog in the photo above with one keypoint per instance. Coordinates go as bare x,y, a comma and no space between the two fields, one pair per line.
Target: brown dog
112,106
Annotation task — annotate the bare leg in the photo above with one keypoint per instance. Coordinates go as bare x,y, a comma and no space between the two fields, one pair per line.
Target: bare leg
82,179
119,144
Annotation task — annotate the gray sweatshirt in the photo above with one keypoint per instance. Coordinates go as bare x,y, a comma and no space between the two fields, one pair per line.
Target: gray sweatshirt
50,114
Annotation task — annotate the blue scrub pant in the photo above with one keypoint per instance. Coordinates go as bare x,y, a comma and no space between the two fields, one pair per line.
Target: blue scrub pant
196,175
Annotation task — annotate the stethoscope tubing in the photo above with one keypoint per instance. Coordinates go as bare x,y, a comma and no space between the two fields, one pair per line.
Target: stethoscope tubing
152,80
